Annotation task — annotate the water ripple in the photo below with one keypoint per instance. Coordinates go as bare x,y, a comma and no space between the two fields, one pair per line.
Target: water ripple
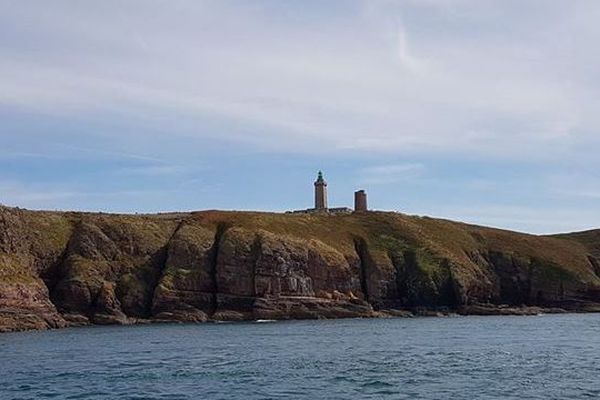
542,357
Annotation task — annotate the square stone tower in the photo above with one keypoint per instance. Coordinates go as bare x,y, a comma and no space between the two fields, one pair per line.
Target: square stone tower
320,192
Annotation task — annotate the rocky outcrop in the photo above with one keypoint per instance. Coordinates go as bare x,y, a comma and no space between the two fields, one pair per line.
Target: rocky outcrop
61,269
108,272
25,305
186,288
24,296
260,275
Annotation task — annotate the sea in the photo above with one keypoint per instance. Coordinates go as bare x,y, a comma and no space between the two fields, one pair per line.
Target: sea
504,357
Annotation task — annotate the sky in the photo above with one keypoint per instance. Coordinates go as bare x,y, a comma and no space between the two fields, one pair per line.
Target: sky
482,111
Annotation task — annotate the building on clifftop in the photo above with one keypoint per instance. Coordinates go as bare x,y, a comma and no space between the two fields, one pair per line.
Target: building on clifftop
320,193
321,203
360,201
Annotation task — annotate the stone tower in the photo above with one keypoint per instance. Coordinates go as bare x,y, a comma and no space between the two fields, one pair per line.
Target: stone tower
360,201
320,193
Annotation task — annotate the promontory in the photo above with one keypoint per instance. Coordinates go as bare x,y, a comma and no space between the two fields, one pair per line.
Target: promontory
61,269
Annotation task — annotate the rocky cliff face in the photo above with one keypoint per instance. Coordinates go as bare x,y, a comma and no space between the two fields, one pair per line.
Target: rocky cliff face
64,269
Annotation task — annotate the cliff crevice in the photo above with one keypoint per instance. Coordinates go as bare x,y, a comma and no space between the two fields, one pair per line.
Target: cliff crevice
214,265
365,266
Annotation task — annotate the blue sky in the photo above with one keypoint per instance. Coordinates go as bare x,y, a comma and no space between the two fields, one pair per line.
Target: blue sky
480,111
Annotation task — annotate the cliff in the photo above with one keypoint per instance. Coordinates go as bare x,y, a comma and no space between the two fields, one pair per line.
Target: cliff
61,269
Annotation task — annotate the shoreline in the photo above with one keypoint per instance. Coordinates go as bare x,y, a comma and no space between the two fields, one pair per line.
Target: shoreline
420,312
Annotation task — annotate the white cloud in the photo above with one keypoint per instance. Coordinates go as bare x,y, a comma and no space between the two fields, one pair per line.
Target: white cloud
573,185
154,170
539,219
76,197
386,174
383,77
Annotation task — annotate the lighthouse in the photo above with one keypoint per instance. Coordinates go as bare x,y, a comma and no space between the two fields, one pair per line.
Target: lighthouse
320,193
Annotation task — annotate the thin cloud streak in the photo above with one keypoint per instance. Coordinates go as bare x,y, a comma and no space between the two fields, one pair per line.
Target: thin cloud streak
387,174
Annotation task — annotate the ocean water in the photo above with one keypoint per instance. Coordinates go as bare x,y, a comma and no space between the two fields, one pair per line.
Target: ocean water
542,357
